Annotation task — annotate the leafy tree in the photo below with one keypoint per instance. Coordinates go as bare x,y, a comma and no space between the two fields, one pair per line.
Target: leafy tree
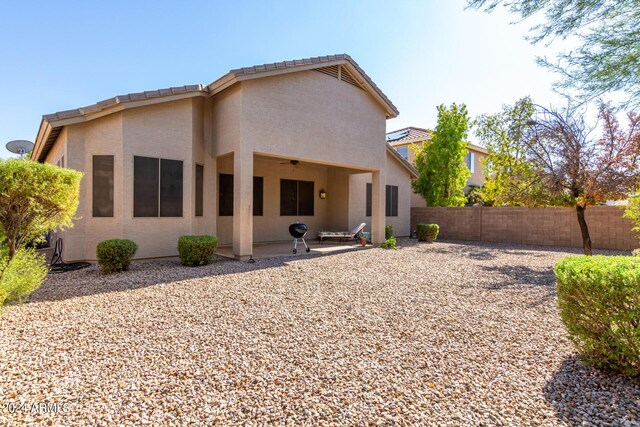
443,172
511,179
608,58
35,198
550,158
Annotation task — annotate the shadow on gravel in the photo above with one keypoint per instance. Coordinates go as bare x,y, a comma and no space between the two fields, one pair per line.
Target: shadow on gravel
468,250
508,276
584,396
145,273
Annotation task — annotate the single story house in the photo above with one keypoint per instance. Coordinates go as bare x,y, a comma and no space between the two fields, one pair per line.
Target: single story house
403,139
240,158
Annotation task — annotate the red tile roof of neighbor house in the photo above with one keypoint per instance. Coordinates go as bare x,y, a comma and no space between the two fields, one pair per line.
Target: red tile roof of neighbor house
415,134
52,124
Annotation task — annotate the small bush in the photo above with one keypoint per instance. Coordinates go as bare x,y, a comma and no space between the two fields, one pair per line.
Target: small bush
22,275
599,301
197,250
115,255
427,232
390,243
388,231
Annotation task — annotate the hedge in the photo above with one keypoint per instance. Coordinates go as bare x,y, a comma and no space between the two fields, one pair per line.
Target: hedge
599,301
115,255
427,232
197,250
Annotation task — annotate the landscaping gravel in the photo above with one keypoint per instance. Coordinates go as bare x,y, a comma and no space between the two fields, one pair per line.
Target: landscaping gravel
448,333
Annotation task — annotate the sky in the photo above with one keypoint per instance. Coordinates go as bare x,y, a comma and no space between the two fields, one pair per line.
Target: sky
66,54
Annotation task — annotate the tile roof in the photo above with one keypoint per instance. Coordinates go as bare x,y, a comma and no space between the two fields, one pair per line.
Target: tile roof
120,99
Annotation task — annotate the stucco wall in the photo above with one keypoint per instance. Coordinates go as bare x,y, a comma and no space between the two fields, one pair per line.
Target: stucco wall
100,137
309,115
396,175
163,130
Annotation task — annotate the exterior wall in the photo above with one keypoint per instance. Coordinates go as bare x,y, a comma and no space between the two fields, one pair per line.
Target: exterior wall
476,178
271,226
100,137
309,115
531,226
396,175
168,130
338,196
224,113
165,131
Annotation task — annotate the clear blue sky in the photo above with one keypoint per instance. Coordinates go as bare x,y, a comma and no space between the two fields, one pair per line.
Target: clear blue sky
62,55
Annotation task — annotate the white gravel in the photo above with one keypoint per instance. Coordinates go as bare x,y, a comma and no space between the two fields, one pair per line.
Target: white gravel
440,334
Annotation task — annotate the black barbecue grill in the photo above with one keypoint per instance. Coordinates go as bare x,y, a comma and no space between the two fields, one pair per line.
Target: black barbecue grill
298,231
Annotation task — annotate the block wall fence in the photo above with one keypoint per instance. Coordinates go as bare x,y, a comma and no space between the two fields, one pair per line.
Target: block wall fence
531,226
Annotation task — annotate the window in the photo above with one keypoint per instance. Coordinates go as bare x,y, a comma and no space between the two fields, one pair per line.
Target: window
258,195
225,195
404,151
102,186
470,161
157,187
296,198
391,205
60,162
391,208
199,189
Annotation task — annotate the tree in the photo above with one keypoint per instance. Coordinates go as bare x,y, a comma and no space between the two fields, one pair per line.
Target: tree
557,160
510,178
608,31
443,172
34,199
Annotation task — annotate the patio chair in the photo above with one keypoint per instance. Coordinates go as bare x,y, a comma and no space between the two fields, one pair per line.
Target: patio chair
342,235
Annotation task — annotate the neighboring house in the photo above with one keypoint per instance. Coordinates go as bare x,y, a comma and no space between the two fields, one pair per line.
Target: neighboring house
241,158
403,139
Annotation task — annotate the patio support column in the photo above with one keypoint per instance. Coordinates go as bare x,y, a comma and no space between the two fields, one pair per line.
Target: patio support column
378,217
242,203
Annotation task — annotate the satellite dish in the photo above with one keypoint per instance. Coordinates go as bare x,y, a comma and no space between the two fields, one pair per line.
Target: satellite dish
20,147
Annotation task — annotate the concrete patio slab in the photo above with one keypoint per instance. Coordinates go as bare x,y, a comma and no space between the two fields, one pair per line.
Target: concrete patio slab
283,249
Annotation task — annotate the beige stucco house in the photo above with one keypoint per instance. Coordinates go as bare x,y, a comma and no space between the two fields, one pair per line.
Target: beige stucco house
403,140
240,158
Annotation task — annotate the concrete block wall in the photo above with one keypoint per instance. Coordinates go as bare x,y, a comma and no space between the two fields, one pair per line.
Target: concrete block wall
531,226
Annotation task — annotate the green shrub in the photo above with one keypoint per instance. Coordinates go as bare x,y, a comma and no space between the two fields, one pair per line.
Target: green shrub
115,255
388,231
390,243
427,232
35,198
22,275
197,250
599,301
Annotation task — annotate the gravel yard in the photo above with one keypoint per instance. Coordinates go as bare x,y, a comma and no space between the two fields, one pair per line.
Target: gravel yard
449,333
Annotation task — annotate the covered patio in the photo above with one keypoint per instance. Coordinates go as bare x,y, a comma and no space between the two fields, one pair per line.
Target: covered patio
259,207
